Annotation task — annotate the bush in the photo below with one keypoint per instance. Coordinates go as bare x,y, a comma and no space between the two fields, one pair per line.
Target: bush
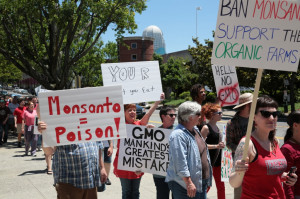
211,97
186,96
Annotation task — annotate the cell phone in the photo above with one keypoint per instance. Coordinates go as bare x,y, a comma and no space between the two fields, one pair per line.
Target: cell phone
292,170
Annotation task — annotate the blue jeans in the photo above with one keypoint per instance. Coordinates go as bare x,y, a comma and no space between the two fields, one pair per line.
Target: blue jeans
3,127
162,188
130,188
181,193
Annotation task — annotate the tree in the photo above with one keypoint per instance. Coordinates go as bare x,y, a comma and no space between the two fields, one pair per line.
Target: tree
46,39
201,55
8,72
176,75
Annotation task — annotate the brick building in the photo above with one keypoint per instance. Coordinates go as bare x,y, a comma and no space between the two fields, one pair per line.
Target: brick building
136,49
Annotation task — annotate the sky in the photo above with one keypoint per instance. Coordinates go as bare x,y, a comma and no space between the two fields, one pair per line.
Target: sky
177,21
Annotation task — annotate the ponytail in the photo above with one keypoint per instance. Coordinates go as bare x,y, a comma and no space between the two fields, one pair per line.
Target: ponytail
289,134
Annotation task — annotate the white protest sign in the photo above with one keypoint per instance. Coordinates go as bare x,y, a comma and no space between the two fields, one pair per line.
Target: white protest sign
140,80
226,159
145,149
82,115
227,84
258,34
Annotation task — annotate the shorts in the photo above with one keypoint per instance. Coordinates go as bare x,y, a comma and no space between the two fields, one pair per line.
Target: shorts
19,128
106,159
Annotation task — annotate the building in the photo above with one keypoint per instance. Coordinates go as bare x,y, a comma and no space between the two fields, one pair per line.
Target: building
136,49
159,42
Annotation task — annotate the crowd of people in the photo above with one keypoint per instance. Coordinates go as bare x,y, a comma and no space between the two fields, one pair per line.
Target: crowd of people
195,145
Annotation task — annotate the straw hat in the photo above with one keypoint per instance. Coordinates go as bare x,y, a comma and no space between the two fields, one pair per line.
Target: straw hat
244,99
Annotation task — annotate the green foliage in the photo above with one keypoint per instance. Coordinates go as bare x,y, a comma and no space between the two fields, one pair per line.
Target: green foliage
175,103
211,97
201,67
185,95
176,75
47,39
8,72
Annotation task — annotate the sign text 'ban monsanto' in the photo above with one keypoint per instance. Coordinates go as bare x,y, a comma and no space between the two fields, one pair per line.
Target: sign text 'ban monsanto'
258,34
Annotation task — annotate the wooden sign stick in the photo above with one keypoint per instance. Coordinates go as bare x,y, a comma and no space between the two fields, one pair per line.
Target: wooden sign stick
252,112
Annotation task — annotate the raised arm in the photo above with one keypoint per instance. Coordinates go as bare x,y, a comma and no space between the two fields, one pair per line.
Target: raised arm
145,119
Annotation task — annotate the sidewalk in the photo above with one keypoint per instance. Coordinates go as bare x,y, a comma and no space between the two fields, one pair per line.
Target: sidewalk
25,177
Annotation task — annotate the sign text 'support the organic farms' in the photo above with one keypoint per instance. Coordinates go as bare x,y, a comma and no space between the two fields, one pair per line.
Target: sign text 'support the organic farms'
227,159
82,115
145,149
227,84
258,34
140,80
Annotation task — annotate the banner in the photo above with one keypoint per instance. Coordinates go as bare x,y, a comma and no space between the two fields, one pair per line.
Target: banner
227,159
140,81
227,85
258,34
82,115
145,149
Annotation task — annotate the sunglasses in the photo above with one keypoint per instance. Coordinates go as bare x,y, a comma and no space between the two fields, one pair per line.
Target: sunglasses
267,114
172,115
198,114
218,113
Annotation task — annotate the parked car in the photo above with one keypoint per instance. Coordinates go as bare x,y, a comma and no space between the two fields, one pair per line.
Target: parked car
3,93
140,112
24,92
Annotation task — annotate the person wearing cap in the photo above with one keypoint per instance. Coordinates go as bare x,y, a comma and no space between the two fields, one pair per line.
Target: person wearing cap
237,127
4,113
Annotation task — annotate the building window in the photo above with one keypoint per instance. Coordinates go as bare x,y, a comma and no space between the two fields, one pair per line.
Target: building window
133,57
133,45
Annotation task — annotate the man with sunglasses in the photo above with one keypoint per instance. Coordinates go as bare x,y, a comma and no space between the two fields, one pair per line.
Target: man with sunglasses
167,115
237,127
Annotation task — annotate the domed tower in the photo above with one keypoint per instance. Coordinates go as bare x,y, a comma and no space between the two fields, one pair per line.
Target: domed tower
159,42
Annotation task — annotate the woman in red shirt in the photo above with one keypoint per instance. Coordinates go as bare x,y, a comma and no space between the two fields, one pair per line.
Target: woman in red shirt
265,164
291,151
19,124
30,138
130,181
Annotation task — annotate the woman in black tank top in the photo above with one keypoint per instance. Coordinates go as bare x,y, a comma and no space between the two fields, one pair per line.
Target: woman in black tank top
211,132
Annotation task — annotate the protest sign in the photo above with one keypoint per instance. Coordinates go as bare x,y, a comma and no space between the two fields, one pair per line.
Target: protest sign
227,84
258,34
140,81
226,158
82,115
145,149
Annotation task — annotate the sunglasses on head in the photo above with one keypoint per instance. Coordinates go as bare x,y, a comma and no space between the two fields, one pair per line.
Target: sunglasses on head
267,114
172,115
218,113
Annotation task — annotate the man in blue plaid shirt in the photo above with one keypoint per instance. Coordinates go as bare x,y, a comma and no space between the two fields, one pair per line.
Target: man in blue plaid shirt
77,169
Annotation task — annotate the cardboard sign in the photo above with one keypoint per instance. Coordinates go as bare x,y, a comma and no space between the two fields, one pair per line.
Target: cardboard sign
227,85
226,160
140,80
82,115
258,34
145,149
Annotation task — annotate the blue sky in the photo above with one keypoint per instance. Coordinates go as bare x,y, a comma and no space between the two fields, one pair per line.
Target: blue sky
177,20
